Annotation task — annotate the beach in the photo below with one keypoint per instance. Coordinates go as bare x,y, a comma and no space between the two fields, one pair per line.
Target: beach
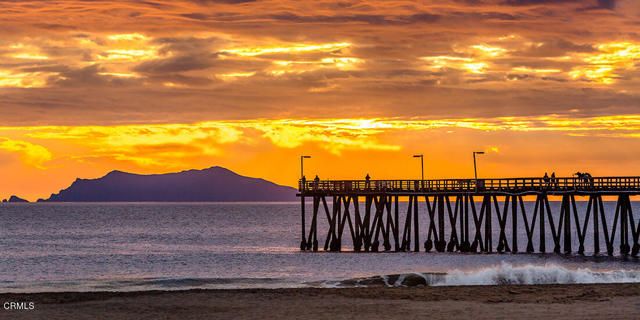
579,301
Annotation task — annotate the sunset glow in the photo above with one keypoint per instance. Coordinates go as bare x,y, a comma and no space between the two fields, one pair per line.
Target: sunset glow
299,48
251,85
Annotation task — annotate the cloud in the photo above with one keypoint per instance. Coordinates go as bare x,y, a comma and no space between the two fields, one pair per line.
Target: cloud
239,60
31,154
176,64
607,4
365,18
153,86
153,144
205,2
538,2
91,76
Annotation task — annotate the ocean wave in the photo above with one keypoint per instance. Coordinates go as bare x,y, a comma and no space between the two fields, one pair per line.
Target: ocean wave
502,274
146,284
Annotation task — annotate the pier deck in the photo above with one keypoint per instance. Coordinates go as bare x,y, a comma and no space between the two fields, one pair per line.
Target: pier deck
482,186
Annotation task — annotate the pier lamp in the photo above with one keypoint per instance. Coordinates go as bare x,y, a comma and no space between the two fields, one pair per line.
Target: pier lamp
475,169
421,164
302,165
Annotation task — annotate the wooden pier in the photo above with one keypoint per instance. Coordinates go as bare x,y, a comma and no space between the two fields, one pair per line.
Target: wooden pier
466,209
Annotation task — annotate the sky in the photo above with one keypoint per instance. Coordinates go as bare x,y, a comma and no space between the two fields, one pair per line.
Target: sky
159,86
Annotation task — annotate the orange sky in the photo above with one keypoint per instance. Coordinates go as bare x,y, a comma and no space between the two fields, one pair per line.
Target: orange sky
162,86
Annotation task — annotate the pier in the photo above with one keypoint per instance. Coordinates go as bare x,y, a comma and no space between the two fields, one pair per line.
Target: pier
461,213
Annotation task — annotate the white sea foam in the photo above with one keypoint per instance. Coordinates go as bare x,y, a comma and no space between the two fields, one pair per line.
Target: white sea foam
507,273
504,273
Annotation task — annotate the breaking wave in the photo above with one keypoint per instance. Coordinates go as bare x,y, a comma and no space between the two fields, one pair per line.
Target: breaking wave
502,274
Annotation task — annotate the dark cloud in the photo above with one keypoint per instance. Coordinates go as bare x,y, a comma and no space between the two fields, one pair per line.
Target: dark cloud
538,2
554,79
205,2
374,19
189,45
383,19
553,48
371,19
196,16
180,79
364,18
47,68
490,15
390,39
607,4
89,77
514,76
54,26
176,64
592,4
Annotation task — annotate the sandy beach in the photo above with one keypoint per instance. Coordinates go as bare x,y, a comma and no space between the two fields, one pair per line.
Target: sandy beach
613,301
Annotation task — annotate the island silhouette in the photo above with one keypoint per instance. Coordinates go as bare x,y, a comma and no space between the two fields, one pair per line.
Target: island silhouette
215,184
14,199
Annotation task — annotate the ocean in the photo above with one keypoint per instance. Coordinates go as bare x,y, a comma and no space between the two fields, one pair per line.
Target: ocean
46,247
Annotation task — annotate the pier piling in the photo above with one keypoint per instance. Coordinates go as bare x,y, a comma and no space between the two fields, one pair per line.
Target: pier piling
449,207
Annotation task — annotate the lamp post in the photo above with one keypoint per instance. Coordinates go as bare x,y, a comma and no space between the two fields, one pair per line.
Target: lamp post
302,165
304,244
421,168
475,169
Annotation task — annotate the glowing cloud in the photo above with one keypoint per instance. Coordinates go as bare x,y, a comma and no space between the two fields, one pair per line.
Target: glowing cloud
30,56
23,79
530,70
233,76
157,144
340,63
478,67
287,49
131,55
467,64
119,75
602,67
31,154
129,37
489,51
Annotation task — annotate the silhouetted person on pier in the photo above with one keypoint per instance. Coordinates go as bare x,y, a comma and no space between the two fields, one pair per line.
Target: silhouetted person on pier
588,178
584,178
546,180
367,182
580,177
316,182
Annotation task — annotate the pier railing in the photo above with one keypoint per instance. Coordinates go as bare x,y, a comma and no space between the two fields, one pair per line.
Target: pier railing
559,184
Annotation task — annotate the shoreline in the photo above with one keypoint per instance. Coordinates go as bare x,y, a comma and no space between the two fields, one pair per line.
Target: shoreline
579,301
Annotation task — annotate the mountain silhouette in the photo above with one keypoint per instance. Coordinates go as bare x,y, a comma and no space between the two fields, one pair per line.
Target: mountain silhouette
212,184
15,199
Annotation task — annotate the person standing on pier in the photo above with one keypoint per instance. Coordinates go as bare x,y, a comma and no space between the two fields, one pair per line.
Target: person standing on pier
546,180
367,182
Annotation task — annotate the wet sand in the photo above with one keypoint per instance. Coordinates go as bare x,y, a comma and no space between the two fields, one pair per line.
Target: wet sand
613,301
